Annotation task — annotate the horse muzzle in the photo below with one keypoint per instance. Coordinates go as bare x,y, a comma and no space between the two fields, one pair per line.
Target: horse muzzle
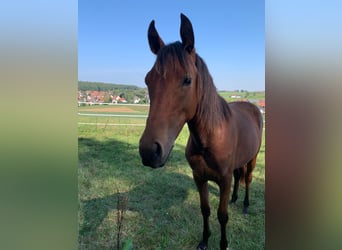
153,154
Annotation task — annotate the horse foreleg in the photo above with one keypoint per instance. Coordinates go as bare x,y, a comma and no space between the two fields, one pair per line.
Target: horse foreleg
202,187
248,180
222,212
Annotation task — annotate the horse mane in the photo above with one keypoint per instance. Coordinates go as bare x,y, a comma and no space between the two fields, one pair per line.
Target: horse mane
211,108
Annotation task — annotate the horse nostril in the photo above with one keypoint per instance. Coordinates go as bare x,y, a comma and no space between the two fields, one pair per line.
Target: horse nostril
157,150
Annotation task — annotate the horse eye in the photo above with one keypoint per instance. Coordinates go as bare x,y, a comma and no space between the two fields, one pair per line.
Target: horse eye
187,81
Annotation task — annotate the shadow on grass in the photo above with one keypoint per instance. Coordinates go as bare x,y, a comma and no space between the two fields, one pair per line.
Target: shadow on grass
152,194
150,199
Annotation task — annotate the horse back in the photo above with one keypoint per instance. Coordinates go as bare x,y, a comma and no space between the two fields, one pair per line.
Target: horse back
249,112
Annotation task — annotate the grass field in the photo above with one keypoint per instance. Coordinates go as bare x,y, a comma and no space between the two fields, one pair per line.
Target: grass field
243,95
151,209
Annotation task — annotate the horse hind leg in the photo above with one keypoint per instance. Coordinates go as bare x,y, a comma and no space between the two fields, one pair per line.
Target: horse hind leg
237,175
248,180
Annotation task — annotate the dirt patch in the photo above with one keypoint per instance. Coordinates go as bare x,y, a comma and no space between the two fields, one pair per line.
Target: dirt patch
112,110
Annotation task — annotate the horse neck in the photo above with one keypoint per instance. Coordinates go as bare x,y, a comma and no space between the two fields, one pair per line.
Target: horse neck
212,110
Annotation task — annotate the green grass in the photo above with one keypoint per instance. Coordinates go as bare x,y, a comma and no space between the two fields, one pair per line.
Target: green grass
163,204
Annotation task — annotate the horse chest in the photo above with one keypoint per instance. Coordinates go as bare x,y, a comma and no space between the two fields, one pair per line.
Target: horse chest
207,165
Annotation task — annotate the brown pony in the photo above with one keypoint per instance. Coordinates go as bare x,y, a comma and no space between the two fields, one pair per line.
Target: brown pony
224,137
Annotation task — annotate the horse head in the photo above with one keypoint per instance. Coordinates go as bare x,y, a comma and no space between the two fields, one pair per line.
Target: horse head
172,89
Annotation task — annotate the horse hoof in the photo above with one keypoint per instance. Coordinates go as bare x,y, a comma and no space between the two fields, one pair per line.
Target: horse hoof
202,246
245,210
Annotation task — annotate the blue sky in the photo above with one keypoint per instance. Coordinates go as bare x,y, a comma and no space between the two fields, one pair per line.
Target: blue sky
229,36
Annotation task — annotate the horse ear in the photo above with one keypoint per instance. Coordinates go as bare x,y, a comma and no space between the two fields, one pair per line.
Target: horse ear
187,34
155,42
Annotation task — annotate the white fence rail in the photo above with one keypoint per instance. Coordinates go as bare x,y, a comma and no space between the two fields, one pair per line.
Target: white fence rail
113,115
112,124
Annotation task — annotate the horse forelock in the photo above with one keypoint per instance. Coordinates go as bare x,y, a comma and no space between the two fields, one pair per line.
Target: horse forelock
168,56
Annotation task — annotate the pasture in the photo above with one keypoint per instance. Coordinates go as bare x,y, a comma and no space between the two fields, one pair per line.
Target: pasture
121,199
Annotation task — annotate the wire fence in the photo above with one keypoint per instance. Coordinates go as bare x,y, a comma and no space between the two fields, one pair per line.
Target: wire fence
96,119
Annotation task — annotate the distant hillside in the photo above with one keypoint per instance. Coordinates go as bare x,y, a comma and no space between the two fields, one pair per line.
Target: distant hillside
101,86
236,95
